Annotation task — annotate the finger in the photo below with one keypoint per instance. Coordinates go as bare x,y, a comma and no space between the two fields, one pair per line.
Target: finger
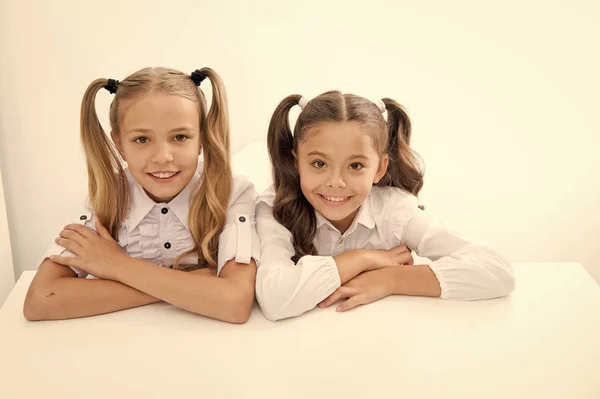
342,292
352,302
102,231
400,249
64,260
73,236
330,299
84,231
405,259
69,245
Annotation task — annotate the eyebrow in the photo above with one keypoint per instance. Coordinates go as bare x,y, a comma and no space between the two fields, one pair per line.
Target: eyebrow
175,130
320,154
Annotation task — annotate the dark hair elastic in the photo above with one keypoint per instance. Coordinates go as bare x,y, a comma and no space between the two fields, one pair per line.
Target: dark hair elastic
198,76
112,86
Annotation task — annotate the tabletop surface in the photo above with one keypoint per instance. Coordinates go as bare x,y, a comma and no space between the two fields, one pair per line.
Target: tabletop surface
543,341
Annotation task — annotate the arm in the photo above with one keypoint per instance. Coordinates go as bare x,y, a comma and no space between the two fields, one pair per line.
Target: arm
461,269
416,280
285,289
228,297
55,293
374,285
464,270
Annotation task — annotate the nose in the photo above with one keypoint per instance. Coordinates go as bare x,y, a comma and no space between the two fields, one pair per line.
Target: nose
163,153
336,180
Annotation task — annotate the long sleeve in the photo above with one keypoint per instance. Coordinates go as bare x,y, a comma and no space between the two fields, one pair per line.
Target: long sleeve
285,289
466,270
239,239
87,219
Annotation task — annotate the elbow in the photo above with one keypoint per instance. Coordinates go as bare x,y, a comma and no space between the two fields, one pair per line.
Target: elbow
494,279
272,305
33,307
507,282
240,308
271,311
502,276
503,282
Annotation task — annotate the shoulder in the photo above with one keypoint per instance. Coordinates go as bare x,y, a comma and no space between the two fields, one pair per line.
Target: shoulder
391,199
242,190
393,208
267,196
85,217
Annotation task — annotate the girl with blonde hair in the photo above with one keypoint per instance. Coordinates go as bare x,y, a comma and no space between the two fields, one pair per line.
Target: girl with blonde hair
166,208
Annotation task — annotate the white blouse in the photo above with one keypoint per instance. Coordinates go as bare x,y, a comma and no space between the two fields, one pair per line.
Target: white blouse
158,233
466,270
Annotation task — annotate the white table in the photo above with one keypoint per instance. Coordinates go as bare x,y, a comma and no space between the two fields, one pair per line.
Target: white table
542,342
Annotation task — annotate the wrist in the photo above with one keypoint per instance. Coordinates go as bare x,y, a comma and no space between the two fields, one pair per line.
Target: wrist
391,278
121,267
367,260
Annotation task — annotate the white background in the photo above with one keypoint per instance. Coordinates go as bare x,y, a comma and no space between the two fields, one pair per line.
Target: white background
503,96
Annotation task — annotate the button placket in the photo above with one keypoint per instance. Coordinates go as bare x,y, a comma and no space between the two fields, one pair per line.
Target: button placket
166,244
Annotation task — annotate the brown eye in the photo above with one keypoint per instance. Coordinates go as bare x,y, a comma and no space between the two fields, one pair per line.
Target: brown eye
356,166
141,140
181,137
318,164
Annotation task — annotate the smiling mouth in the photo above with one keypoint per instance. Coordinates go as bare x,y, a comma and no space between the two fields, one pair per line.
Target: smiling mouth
163,175
334,200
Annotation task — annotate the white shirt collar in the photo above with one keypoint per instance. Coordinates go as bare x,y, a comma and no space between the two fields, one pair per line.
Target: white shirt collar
364,217
365,214
142,204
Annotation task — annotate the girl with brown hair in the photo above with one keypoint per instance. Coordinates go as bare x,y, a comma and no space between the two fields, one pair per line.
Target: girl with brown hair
166,208
342,218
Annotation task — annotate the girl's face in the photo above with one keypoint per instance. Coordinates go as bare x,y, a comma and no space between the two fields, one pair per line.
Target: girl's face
159,139
338,165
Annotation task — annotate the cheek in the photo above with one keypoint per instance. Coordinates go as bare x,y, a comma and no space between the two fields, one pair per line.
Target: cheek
364,184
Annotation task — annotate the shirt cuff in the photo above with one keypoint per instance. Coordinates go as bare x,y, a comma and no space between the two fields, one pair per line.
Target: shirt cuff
474,273
240,241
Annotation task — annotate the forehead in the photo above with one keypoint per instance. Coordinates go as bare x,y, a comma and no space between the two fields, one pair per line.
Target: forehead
159,110
338,139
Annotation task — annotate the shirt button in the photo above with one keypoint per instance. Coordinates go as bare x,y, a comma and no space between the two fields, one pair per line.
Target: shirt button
242,219
164,211
341,240
167,245
82,217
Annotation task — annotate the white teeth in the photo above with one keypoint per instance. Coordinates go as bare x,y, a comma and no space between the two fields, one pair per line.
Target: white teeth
336,199
164,175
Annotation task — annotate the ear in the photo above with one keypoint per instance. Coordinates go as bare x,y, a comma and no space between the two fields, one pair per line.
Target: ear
383,165
116,138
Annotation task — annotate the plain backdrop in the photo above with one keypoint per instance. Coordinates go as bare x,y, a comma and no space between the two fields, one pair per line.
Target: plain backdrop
503,97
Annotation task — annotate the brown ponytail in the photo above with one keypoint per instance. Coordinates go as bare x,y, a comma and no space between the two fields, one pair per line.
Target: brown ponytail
403,169
290,208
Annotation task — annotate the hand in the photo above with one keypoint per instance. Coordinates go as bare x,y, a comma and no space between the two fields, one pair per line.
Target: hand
399,255
96,253
365,288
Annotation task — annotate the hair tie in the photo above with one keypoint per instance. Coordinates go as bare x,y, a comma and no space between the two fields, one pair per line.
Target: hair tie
198,76
302,102
112,86
381,105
